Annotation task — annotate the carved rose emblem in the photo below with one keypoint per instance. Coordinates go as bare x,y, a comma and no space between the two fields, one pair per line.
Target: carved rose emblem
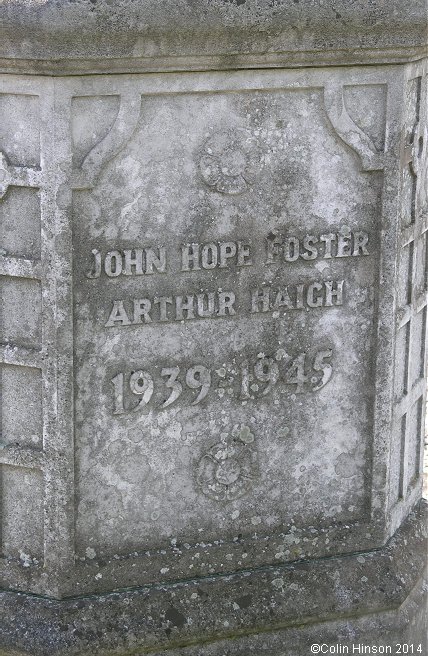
229,469
230,160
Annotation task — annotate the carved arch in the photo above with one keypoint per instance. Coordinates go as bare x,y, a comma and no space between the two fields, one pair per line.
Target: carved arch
348,130
114,141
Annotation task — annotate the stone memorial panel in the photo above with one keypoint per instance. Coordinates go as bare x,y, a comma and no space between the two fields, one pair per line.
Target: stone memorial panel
213,297
225,311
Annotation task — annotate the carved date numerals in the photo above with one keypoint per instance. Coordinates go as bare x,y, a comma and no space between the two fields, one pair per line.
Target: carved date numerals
141,384
267,371
248,380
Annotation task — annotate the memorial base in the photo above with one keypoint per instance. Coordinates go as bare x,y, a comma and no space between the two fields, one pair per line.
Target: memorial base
346,605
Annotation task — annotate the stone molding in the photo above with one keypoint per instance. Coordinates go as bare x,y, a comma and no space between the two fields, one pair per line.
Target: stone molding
122,37
209,610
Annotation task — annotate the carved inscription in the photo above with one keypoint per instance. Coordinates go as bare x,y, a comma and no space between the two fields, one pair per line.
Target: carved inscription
245,380
279,249
225,254
135,261
211,304
311,247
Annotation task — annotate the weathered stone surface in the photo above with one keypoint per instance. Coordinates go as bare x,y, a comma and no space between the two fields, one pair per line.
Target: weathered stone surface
93,36
232,309
213,323
369,598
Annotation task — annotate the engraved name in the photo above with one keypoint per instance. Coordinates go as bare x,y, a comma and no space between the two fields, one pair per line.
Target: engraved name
278,248
128,262
195,257
208,305
311,247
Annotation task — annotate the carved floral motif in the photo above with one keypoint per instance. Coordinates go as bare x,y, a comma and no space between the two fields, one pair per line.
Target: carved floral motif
230,161
229,469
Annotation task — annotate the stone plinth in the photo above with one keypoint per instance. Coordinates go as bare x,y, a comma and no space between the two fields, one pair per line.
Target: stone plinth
214,277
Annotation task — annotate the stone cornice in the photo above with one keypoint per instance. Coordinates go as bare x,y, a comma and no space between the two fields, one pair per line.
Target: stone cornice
51,38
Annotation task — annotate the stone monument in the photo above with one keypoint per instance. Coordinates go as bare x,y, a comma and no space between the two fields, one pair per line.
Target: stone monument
214,277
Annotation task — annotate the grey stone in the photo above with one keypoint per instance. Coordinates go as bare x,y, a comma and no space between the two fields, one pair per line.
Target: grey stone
100,36
213,292
368,598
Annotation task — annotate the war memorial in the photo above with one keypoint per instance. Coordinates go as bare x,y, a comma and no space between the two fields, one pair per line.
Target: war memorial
213,327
